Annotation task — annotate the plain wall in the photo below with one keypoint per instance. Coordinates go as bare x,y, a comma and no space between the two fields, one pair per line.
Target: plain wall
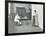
39,11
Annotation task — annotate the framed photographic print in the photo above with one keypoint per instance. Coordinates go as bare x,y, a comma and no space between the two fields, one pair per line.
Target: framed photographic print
22,17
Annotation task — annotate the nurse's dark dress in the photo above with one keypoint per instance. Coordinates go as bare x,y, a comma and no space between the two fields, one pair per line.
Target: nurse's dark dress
35,20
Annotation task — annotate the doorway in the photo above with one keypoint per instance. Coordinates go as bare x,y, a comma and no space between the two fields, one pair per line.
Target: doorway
21,11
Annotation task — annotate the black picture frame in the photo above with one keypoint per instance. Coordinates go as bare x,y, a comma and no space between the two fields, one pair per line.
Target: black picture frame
6,17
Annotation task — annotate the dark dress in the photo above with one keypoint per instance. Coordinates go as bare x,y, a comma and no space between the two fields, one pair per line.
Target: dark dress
33,20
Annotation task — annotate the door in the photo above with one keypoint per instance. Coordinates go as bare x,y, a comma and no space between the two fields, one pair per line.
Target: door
21,11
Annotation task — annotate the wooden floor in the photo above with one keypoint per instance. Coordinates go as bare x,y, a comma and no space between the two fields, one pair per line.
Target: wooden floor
25,27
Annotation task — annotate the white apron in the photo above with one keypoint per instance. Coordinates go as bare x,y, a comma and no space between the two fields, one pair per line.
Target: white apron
17,19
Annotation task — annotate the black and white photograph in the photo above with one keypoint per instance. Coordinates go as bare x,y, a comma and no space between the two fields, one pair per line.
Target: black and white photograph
25,18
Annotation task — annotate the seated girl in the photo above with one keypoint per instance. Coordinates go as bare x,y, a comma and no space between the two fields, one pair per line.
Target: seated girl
17,17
